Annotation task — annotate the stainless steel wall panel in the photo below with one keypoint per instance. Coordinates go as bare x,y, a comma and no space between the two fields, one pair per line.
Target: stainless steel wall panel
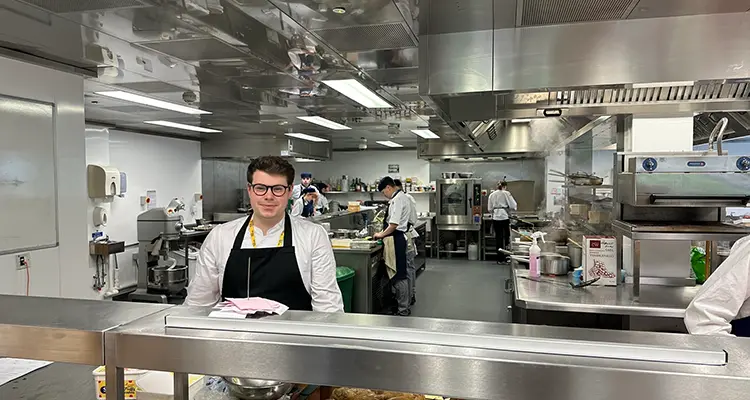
459,63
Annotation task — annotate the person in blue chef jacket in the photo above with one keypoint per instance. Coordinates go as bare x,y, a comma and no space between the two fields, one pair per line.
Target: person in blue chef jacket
306,206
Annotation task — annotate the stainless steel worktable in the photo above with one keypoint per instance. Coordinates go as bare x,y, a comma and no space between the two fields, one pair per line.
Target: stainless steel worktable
555,294
456,358
365,265
64,330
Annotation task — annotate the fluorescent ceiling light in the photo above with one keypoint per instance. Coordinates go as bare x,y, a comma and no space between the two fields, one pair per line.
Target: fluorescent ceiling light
300,159
182,126
307,137
325,122
149,101
425,133
356,91
520,120
388,143
662,84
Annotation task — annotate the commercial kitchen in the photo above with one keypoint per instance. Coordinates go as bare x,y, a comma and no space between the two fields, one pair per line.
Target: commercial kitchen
616,133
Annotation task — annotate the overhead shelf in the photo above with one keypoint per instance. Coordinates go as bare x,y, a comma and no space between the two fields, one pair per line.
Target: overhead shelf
653,230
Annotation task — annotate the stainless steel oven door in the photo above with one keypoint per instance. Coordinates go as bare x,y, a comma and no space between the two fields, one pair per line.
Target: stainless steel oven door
454,202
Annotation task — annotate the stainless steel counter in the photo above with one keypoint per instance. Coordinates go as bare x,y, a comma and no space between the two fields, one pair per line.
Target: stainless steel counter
64,330
456,358
555,294
371,250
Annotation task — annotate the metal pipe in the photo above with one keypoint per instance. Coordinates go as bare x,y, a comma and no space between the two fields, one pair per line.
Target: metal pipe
717,134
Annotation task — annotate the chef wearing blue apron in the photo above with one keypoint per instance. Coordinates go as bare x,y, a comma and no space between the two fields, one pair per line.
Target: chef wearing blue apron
306,206
722,305
396,224
268,254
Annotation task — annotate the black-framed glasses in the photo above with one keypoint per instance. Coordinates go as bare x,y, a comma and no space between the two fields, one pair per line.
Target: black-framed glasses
260,189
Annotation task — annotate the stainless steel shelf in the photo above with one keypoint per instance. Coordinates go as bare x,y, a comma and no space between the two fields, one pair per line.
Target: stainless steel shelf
670,231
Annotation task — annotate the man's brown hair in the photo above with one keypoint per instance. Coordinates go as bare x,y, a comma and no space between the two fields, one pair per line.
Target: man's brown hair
271,165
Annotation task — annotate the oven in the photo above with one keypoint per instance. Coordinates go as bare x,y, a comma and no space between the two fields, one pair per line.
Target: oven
459,203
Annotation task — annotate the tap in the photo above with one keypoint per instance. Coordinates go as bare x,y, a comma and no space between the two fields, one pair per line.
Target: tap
717,134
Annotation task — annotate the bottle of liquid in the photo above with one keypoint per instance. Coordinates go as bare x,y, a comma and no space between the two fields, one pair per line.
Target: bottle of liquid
535,253
344,183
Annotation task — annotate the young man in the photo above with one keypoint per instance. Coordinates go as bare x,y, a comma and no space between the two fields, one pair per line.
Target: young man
500,204
412,250
323,188
307,205
288,259
306,179
396,224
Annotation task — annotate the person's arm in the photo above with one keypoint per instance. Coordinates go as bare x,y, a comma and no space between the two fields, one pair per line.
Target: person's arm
324,290
491,203
719,300
296,192
204,287
512,202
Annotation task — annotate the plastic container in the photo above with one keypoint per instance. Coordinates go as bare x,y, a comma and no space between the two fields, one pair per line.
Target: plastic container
534,253
473,252
345,279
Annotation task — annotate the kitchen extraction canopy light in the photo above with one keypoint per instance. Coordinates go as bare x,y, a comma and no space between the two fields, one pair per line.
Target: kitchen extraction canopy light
356,91
301,159
324,122
183,126
425,133
309,138
520,120
388,143
148,101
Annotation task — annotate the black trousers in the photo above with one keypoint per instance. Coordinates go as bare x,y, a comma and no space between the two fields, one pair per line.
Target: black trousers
502,234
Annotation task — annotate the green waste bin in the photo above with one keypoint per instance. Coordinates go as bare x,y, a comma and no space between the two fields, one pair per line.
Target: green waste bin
345,279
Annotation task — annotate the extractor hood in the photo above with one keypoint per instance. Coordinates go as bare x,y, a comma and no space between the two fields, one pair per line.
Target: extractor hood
249,147
493,68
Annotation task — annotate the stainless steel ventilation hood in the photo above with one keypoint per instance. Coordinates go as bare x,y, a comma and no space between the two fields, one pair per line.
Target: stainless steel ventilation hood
242,147
483,67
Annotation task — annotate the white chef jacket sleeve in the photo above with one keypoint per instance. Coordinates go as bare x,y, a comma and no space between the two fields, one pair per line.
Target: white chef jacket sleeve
395,212
297,207
296,192
511,201
204,288
491,203
324,290
719,300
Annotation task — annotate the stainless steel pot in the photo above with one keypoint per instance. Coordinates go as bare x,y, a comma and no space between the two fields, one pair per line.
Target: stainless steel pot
448,175
172,280
548,246
334,206
559,235
256,389
575,252
554,264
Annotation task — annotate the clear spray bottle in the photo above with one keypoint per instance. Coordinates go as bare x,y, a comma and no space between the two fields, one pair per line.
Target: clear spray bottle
535,253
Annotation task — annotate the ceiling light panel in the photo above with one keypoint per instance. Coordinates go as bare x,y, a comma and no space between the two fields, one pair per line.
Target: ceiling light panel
425,133
388,143
356,91
176,125
324,122
309,138
150,101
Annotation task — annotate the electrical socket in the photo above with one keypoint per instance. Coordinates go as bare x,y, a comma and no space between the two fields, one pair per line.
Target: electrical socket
22,260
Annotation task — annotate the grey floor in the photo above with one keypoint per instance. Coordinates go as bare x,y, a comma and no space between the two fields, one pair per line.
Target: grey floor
461,289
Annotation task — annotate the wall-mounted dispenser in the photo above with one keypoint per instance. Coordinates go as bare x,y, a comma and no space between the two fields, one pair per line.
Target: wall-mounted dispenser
103,181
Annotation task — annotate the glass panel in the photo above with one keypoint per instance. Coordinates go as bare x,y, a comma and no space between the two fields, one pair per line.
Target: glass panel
453,199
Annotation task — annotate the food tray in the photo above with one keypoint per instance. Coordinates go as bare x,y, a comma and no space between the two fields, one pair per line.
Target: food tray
362,244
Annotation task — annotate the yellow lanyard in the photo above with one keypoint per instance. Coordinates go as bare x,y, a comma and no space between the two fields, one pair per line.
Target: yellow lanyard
251,228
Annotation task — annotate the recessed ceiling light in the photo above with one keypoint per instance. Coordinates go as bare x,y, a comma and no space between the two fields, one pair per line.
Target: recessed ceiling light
324,122
149,101
425,133
300,159
356,91
176,125
388,143
520,120
307,137
339,10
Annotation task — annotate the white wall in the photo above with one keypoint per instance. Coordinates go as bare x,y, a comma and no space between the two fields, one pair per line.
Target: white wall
370,166
662,134
170,166
63,270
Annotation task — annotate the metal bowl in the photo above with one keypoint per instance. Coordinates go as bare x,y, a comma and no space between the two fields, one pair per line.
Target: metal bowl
172,280
256,389
465,175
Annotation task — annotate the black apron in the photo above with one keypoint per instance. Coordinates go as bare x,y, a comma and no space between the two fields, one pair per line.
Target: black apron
308,209
741,327
274,273
399,243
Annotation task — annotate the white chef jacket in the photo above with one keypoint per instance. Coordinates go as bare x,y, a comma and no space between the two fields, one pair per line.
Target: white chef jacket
299,205
297,190
312,249
498,201
724,297
399,211
322,202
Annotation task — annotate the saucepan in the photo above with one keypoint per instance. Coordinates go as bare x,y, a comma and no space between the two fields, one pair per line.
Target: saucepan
549,263
256,389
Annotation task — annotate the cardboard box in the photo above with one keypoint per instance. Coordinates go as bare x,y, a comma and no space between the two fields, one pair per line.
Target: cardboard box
600,259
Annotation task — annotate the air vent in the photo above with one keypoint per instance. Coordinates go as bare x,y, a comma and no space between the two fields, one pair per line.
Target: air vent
71,6
551,12
368,37
645,95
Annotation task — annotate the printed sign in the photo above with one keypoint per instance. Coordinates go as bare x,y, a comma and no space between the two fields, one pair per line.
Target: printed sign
393,168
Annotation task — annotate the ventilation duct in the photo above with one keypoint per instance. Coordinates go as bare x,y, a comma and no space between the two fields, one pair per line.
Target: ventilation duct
243,148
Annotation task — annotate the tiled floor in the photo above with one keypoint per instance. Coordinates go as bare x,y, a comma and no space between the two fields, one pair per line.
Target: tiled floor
461,289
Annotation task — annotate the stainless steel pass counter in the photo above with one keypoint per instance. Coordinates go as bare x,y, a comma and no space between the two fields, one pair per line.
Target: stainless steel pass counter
547,300
462,359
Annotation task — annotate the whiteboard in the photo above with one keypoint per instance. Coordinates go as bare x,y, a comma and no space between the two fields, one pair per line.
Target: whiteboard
28,206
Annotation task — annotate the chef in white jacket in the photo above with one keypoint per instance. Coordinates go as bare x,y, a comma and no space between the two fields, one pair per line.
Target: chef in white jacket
411,253
722,305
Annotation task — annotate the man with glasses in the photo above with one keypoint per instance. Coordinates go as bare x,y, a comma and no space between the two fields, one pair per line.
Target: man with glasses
268,254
